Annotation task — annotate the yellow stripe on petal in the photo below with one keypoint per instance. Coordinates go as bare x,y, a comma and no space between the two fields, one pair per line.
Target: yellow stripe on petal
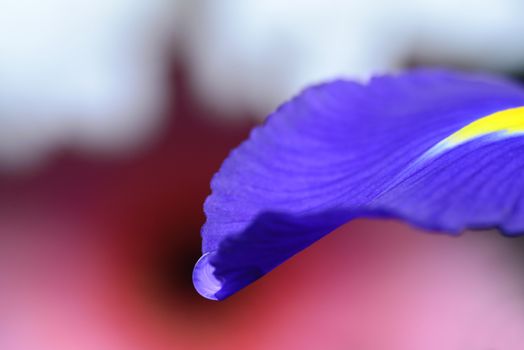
509,121
503,124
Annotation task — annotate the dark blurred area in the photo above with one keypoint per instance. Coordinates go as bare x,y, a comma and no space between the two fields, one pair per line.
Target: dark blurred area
102,187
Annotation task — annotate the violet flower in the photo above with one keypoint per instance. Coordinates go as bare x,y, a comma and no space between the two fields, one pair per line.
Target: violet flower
438,149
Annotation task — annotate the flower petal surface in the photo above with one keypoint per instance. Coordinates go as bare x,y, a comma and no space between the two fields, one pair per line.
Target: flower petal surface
439,149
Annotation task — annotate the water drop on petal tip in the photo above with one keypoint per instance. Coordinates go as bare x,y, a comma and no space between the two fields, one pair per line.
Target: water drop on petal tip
204,280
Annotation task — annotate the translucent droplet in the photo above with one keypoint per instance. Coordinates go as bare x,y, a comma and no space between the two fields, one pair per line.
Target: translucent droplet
204,278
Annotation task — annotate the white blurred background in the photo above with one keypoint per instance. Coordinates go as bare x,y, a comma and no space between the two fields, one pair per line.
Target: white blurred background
91,75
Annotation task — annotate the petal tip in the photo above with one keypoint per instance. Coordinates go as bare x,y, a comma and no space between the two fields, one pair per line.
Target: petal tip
204,279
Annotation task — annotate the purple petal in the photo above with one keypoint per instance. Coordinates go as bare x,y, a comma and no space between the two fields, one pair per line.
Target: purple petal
343,150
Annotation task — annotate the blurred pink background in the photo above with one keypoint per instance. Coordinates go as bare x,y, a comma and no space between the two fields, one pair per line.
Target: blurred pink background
98,242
